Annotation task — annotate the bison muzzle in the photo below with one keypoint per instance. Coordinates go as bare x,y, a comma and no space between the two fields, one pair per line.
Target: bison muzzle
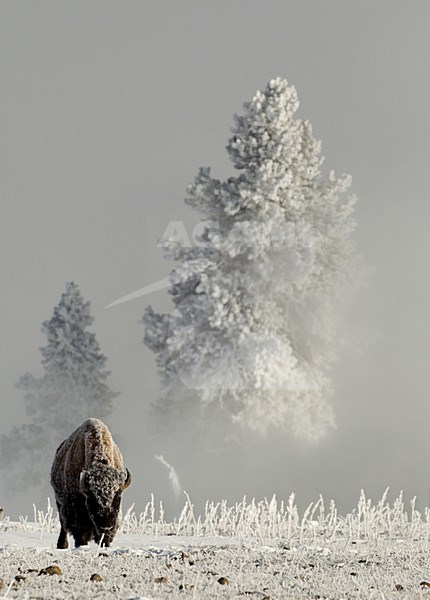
88,477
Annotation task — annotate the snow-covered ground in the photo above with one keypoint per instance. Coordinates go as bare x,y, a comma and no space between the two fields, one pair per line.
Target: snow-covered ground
255,550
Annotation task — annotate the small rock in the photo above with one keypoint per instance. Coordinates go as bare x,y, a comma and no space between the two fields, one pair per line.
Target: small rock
399,587
186,586
161,580
20,578
223,581
96,577
51,570
425,584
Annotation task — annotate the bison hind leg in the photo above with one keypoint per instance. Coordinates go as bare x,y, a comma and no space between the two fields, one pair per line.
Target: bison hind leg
62,543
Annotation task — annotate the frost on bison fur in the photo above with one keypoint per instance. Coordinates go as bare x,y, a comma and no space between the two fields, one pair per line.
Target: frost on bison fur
88,477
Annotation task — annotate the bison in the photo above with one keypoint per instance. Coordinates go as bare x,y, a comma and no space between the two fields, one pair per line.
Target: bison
88,477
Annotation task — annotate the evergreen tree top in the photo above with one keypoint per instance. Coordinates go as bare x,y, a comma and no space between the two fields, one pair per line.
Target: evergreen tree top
279,161
265,129
70,347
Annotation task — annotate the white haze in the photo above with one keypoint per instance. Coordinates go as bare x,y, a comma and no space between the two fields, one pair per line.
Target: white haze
108,110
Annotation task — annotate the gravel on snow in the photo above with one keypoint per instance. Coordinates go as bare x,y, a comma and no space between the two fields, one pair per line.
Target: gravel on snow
208,568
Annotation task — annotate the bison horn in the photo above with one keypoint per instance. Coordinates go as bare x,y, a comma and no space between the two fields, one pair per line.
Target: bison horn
127,481
83,481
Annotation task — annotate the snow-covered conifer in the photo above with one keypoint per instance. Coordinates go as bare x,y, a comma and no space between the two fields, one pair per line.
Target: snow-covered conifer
254,330
71,389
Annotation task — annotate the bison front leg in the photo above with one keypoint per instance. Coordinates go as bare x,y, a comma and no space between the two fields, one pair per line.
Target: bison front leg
104,539
62,543
82,538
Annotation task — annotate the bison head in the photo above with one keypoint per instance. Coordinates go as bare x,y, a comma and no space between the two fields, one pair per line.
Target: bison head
102,486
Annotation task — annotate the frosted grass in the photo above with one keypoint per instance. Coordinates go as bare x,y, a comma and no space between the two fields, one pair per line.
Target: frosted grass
264,520
264,549
271,519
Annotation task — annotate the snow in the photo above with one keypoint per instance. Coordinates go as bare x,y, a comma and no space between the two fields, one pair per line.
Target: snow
376,551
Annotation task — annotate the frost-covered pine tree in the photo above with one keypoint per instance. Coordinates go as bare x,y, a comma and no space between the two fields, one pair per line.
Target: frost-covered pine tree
71,389
254,331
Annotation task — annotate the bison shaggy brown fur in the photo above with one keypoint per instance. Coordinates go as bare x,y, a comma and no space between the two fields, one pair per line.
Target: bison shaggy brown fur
88,477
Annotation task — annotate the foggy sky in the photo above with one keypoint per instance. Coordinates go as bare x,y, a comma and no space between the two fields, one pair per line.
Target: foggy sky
109,108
